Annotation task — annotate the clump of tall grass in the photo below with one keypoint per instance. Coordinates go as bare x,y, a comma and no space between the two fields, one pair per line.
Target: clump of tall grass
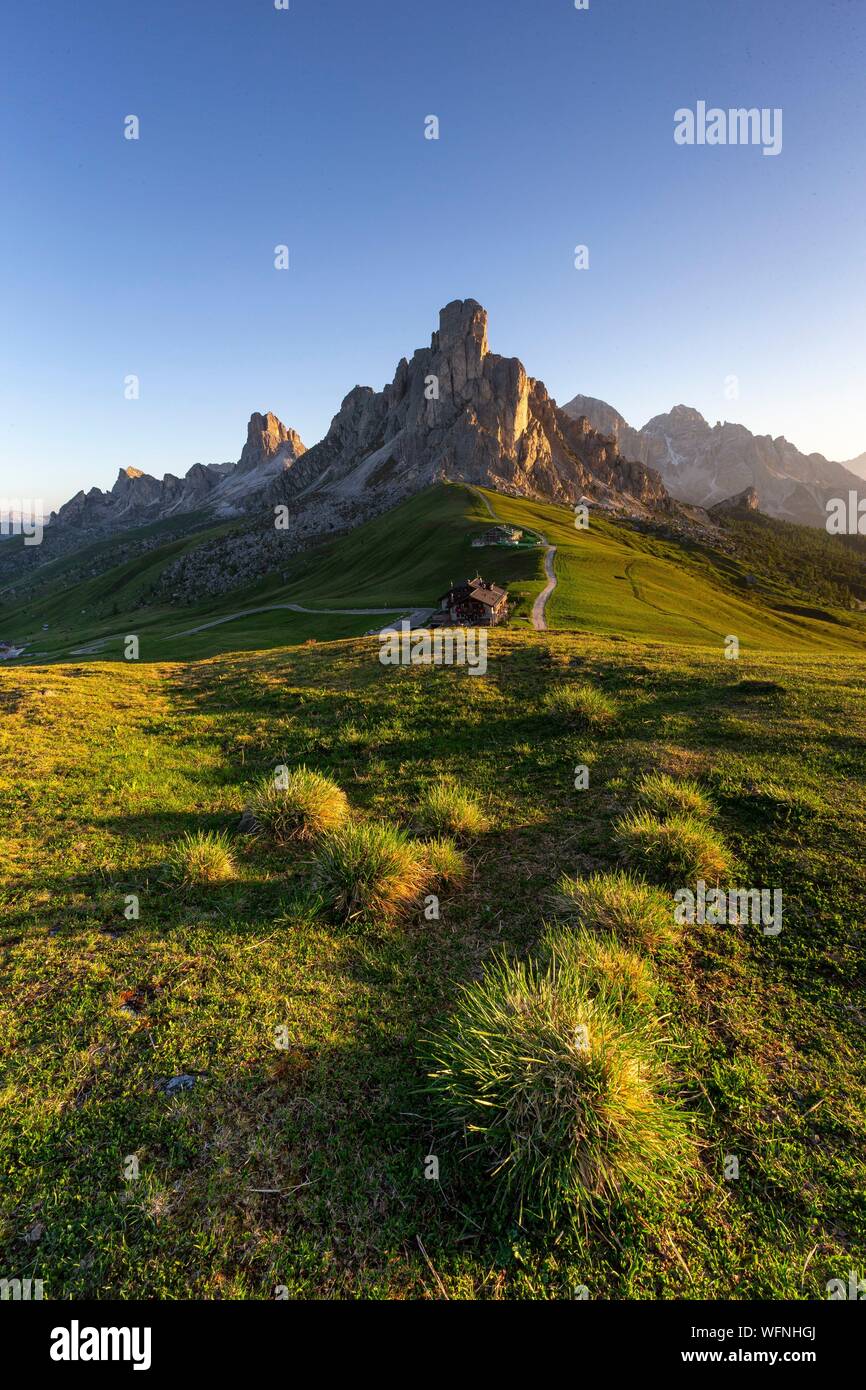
678,850
447,862
369,872
607,970
635,912
581,705
559,1098
202,857
446,808
668,796
297,805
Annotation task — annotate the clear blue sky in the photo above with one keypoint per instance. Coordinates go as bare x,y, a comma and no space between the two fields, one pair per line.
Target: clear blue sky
305,127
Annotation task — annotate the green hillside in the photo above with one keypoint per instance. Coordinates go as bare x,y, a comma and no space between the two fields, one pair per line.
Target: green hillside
612,579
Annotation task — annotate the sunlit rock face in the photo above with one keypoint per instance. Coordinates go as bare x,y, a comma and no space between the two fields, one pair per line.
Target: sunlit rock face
457,410
454,410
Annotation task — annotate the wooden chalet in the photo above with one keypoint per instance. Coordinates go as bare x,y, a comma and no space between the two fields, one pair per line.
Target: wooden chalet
474,603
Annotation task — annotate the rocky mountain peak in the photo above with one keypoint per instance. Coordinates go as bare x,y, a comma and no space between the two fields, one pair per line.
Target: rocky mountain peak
462,325
266,435
132,483
227,489
708,466
600,415
679,418
458,411
747,500
125,479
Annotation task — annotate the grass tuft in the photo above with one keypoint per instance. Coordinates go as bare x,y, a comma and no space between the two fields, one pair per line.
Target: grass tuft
675,851
368,873
561,1101
607,969
303,806
202,857
669,796
446,808
447,862
581,705
637,913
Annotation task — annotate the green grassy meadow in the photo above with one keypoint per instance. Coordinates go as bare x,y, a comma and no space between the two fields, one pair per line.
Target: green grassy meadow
105,766
297,1156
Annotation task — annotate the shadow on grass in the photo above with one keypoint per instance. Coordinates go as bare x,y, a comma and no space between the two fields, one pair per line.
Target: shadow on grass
323,1144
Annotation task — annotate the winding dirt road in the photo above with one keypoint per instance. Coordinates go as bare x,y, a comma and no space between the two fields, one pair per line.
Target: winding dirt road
539,622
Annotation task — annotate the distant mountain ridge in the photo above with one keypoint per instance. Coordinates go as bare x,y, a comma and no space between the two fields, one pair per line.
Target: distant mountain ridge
223,488
703,464
456,410
857,465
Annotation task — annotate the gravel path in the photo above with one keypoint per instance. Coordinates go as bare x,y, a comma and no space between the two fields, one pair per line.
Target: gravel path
272,607
539,622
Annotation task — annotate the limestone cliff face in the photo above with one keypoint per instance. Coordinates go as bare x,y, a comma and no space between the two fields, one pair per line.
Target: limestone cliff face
745,501
459,411
266,437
